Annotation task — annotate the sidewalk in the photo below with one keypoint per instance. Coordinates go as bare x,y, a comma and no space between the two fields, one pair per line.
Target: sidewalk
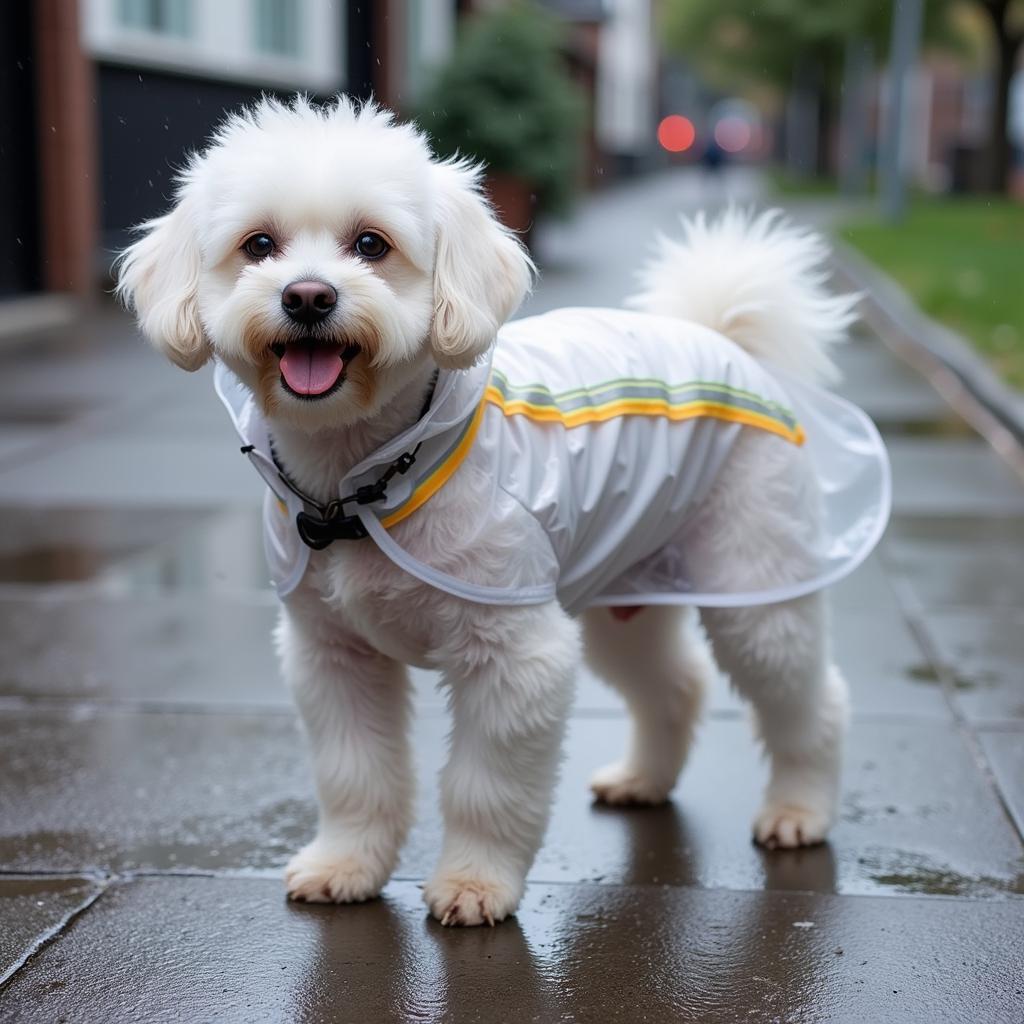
153,782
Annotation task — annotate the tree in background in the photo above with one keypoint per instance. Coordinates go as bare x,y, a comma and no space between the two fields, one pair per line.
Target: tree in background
798,48
1007,20
506,98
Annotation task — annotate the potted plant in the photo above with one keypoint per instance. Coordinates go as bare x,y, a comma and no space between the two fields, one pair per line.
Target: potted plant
506,98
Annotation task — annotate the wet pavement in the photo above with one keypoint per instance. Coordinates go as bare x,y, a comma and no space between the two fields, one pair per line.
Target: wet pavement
153,780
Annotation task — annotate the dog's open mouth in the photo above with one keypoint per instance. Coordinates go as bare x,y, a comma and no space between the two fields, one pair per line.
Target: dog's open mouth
311,368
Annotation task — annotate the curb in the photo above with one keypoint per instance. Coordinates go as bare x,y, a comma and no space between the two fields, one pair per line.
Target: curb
24,316
945,358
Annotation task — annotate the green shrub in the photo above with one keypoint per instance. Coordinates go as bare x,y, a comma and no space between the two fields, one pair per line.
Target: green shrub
506,98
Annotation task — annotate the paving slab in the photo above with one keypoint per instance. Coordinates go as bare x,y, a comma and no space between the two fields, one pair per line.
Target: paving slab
888,671
100,364
143,649
17,438
1005,752
32,910
982,651
169,627
227,792
975,562
91,543
951,477
895,399
233,950
867,588
122,792
139,472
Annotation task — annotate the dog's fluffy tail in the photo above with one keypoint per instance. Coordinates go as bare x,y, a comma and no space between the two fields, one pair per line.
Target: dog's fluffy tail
758,280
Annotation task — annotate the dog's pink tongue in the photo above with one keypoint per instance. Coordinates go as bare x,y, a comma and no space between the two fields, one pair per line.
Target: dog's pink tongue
311,369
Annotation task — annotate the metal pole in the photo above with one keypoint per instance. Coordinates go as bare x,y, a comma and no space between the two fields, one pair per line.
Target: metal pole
853,128
906,40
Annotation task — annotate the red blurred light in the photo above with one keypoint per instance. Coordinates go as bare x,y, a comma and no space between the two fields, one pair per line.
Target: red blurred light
676,133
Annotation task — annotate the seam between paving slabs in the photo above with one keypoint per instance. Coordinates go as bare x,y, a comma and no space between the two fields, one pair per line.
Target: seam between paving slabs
274,875
57,930
915,615
71,705
106,883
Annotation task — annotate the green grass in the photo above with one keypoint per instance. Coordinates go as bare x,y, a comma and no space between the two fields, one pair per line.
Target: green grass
962,261
785,183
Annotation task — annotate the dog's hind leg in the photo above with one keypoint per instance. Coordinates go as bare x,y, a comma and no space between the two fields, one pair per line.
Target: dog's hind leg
660,666
750,535
776,658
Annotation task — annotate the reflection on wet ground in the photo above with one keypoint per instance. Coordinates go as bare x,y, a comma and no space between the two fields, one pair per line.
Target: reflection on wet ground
153,780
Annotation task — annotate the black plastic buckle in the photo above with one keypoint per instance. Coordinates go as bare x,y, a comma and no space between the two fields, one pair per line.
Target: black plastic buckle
318,533
369,493
404,462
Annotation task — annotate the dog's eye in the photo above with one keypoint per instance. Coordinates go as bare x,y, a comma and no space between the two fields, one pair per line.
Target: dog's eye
371,246
259,246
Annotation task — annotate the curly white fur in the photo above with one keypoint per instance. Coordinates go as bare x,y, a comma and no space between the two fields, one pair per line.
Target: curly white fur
316,177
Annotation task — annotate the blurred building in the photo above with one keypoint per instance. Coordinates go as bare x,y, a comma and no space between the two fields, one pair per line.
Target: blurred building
101,100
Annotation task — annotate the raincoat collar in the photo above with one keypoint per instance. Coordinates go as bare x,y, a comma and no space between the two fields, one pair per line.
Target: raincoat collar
392,481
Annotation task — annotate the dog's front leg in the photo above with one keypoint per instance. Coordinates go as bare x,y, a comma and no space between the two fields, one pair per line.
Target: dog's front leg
510,673
355,706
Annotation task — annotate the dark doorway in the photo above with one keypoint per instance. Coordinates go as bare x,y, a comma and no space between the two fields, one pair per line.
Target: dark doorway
19,162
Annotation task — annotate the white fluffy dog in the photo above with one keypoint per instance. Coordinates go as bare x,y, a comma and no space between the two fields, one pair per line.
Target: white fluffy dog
325,258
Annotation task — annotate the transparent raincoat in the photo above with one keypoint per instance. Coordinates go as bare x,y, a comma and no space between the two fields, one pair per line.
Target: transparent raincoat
596,433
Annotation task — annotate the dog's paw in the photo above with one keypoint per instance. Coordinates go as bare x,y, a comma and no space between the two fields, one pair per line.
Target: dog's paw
787,826
620,784
459,900
314,875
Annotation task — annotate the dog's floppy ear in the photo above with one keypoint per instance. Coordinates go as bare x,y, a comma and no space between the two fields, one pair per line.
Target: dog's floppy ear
481,272
158,278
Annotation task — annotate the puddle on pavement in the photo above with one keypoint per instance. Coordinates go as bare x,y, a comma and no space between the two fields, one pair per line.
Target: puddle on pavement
952,427
915,875
37,414
129,549
931,676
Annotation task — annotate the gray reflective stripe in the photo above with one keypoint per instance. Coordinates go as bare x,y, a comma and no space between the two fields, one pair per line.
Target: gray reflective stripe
623,390
421,472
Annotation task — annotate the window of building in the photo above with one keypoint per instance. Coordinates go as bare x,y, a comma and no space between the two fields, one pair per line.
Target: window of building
277,44
276,27
167,17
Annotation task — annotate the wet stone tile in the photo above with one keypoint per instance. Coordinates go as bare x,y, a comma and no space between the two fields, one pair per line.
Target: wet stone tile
45,545
886,389
917,817
866,589
32,910
220,552
121,792
982,651
233,950
1005,752
947,477
888,672
17,439
885,666
177,472
171,648
959,562
170,645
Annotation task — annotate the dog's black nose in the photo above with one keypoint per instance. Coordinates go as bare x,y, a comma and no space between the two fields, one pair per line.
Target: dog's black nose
308,302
